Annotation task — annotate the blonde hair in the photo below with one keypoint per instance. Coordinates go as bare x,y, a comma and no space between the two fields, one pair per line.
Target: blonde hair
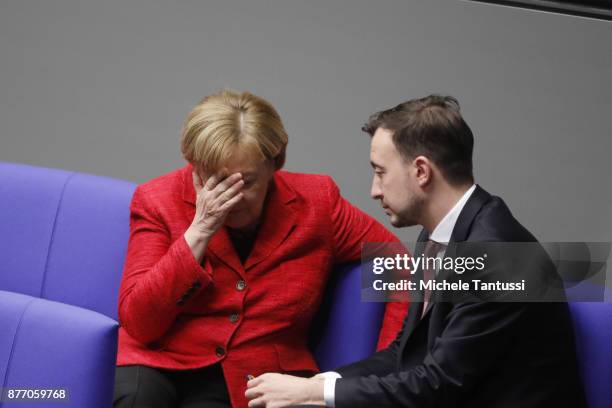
228,120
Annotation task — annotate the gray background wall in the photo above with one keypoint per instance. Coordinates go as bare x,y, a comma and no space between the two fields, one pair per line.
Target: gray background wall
103,87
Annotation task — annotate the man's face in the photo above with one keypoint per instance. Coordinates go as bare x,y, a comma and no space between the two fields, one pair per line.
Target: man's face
394,182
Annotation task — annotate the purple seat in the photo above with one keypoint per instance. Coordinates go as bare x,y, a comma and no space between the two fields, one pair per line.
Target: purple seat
63,237
47,345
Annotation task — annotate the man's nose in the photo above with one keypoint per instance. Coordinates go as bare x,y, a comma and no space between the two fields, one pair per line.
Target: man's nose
375,191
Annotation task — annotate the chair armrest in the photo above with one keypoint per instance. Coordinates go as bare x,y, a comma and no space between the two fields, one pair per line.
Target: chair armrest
49,345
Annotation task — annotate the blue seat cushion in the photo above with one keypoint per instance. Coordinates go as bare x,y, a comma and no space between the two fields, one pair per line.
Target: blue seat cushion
46,344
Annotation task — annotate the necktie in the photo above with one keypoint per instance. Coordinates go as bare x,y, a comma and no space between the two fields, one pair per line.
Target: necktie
429,272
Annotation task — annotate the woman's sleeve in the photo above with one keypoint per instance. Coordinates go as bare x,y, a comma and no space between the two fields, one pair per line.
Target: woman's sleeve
159,276
351,228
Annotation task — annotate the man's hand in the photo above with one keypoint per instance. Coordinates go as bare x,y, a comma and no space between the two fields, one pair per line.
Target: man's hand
279,390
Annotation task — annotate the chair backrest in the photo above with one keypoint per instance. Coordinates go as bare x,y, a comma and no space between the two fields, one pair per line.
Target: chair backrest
64,235
593,328
345,329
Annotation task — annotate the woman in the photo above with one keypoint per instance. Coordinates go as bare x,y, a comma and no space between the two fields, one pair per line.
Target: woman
227,261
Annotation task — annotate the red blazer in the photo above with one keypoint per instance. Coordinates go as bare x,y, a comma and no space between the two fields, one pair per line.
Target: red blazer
252,318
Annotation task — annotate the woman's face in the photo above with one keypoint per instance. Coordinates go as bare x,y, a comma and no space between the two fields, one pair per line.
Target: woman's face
256,175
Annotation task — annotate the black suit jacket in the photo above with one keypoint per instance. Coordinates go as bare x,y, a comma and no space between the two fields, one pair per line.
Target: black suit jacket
476,354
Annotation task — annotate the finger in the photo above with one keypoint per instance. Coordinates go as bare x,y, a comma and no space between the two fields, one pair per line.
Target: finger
212,182
257,403
252,393
254,382
226,183
230,192
229,204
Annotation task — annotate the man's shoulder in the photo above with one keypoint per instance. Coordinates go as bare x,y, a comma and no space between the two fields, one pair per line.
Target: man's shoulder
495,222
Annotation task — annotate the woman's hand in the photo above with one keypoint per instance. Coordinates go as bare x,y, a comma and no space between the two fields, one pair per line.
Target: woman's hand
214,201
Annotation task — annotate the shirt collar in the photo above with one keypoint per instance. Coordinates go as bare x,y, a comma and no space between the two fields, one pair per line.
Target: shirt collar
443,231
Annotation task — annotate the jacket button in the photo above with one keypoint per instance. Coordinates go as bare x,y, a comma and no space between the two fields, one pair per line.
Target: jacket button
220,351
240,285
234,317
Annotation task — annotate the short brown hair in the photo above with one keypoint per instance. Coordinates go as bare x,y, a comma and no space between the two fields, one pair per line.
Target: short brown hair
432,127
227,120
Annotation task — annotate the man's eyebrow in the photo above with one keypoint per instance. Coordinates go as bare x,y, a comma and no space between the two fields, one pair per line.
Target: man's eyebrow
374,165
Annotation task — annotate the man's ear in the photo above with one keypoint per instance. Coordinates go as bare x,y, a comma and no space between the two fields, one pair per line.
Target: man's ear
423,170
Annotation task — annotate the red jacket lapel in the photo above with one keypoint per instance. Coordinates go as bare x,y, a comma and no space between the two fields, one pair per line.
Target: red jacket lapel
279,218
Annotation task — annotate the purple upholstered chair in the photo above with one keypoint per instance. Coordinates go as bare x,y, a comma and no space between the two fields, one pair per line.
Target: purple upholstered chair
63,237
62,245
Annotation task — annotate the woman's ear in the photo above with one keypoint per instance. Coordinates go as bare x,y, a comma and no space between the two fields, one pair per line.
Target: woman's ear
279,160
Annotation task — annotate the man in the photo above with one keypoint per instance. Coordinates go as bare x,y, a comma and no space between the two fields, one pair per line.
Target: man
466,354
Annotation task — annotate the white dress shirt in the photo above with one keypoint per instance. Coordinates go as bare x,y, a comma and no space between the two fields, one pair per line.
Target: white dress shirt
443,231
441,234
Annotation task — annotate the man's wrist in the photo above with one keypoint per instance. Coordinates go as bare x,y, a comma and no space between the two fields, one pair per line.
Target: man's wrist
316,392
329,387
